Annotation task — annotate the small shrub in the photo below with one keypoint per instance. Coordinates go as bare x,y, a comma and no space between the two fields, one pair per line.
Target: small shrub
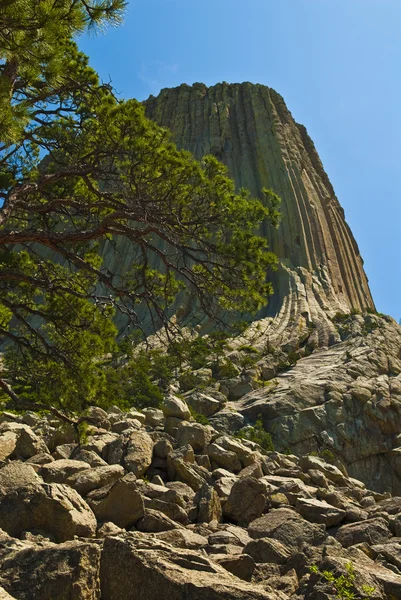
259,435
249,349
340,317
344,585
198,417
226,369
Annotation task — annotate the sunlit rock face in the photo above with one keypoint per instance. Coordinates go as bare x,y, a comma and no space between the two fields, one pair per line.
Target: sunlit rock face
250,129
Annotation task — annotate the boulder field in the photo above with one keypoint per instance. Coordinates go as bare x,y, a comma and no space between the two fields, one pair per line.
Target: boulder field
155,506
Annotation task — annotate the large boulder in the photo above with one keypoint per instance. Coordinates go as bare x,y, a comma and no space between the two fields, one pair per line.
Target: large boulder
59,471
136,567
139,453
318,511
92,479
194,434
372,531
120,502
224,458
27,443
286,526
175,407
67,571
8,443
246,502
55,509
204,404
209,506
268,550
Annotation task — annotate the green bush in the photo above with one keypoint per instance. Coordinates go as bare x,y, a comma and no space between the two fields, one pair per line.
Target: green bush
259,435
344,585
199,418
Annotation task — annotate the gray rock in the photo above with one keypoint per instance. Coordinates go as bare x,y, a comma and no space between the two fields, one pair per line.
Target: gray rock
194,434
268,550
139,453
60,470
120,502
53,508
286,526
246,501
372,531
242,565
224,458
203,404
318,511
136,567
67,571
183,538
209,506
175,407
92,479
27,443
156,521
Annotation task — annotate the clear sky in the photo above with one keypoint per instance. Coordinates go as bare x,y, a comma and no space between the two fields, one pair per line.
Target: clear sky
336,62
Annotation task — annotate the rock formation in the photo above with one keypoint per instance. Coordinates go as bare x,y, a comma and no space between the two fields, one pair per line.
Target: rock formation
250,129
315,405
208,516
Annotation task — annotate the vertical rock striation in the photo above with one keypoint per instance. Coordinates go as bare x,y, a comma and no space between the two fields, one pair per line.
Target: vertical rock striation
250,129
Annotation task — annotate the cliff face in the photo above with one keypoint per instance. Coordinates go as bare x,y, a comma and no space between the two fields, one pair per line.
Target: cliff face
250,129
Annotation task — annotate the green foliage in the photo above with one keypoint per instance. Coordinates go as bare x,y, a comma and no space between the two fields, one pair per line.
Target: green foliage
340,317
79,171
344,585
198,417
259,435
226,369
325,454
249,349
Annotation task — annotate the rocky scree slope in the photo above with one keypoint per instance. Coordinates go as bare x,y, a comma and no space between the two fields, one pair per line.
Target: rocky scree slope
155,505
345,400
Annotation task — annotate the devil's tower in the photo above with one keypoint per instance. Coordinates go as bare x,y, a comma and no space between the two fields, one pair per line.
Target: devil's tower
250,129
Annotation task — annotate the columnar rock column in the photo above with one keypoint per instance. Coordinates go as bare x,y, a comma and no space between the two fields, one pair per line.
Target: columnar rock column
251,130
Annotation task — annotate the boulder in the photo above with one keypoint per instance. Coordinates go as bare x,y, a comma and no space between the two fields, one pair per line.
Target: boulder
92,479
240,565
286,526
372,531
175,407
209,506
120,502
136,567
194,434
17,474
88,456
203,404
192,475
54,508
8,443
227,421
246,501
155,521
139,453
60,470
66,571
153,417
183,538
268,550
27,443
125,424
224,458
170,509
318,511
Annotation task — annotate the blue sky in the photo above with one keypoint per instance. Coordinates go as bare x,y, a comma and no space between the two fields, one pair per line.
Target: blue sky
336,62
